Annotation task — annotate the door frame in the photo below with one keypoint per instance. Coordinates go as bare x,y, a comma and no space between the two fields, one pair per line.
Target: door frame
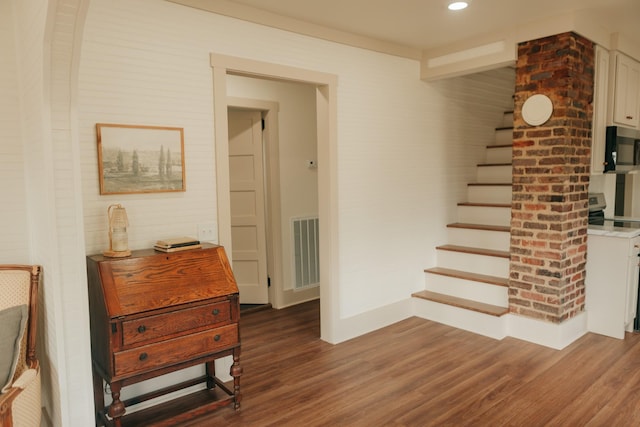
271,159
326,119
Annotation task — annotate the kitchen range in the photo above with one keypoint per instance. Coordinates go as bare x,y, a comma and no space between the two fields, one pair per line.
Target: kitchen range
597,205
612,272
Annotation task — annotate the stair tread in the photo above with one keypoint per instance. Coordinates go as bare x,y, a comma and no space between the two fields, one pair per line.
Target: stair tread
486,205
500,146
480,307
504,127
476,251
502,228
494,164
466,275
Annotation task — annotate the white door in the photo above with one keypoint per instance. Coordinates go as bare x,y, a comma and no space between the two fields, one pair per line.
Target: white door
248,234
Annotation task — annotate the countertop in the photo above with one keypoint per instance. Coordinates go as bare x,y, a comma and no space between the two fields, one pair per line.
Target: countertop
611,230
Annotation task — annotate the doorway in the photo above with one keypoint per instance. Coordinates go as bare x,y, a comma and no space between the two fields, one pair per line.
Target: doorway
290,187
325,87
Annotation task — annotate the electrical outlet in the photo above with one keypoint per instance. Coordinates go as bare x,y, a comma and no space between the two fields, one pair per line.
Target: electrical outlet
208,232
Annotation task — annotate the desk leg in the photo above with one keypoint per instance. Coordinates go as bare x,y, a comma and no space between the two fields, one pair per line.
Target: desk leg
236,372
98,397
116,409
211,373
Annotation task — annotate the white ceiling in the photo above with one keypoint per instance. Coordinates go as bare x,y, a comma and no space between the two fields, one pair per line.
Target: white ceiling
425,24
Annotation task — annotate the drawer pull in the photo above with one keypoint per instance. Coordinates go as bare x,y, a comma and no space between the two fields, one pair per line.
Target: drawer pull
143,356
141,329
629,117
216,311
216,338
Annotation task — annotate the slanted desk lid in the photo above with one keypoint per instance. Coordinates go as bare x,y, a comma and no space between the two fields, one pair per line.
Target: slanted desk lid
150,280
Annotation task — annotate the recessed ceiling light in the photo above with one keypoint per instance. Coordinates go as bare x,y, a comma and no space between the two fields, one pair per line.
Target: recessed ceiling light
458,5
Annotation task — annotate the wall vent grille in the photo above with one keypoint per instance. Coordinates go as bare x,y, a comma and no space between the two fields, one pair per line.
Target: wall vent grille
306,264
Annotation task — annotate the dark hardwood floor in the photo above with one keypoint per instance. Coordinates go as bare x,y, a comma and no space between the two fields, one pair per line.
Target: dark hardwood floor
421,373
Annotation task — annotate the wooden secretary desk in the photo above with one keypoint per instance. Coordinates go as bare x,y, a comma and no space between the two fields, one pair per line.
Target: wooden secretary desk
153,313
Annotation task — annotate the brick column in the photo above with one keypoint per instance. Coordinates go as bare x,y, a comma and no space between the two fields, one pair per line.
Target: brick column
551,167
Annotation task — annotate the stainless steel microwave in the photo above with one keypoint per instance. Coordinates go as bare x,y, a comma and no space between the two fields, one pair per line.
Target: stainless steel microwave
622,149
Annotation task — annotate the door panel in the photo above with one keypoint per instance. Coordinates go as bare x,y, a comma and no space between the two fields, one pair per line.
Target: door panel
248,234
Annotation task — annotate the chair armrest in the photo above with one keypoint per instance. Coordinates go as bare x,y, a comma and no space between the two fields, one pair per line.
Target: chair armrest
6,402
25,379
21,404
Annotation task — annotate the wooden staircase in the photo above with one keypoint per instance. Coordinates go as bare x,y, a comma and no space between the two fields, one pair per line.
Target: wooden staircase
469,288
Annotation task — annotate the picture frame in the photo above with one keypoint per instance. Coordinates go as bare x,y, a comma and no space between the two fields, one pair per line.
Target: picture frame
140,159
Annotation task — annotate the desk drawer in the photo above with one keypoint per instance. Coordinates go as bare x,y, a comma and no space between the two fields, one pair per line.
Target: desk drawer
153,327
174,351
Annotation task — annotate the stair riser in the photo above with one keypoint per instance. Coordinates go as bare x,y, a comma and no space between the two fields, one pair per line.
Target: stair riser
507,120
499,155
473,263
489,194
503,136
484,215
478,239
477,291
479,323
498,174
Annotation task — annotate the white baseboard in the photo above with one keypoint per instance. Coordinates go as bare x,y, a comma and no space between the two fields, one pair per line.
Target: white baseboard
360,324
553,335
556,336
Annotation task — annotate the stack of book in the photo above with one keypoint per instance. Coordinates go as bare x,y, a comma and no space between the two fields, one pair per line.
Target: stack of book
177,244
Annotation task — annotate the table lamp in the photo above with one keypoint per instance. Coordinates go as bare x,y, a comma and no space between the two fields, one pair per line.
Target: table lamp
118,240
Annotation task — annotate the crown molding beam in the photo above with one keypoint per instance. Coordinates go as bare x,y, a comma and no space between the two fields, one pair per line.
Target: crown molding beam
262,17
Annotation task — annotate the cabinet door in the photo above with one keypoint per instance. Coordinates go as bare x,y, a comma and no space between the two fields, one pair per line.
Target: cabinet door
599,124
627,91
633,273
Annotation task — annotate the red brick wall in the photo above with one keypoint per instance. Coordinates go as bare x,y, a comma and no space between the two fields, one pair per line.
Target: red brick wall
550,179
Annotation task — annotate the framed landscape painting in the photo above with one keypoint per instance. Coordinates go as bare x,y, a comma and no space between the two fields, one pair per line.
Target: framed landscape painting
140,159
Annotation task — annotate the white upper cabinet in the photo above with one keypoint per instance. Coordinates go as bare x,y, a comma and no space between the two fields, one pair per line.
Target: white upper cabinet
599,123
626,91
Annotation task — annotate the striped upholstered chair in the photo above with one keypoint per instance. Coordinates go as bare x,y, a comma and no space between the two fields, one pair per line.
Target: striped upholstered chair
20,403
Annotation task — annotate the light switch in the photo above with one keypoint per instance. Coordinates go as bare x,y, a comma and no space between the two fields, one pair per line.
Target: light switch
208,232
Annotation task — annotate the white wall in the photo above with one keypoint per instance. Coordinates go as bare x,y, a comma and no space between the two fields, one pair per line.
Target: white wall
27,224
131,72
55,236
13,227
408,165
297,144
133,55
